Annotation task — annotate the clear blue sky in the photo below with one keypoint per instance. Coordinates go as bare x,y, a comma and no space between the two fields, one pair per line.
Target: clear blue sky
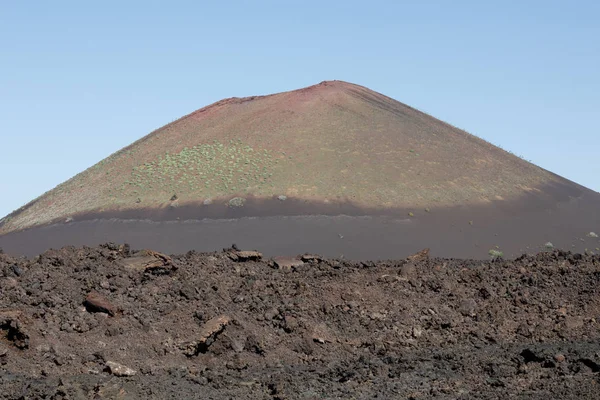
79,79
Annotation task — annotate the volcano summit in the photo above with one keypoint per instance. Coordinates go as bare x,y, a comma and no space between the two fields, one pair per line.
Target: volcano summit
333,168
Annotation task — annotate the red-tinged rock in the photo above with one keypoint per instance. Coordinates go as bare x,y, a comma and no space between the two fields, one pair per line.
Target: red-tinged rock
95,302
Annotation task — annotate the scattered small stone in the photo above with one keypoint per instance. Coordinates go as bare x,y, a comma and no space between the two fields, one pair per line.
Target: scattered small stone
254,344
387,278
467,308
43,348
549,245
422,255
592,235
286,263
119,370
207,202
124,249
271,314
559,358
245,255
237,345
95,302
150,261
407,271
237,202
214,326
12,322
417,332
353,305
311,258
16,270
8,283
211,329
574,322
282,198
524,330
322,334
377,316
237,364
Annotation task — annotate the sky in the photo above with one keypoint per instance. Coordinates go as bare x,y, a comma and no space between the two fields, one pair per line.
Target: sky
80,80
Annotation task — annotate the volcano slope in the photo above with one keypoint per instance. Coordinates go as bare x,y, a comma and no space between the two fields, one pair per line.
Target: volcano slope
333,168
109,323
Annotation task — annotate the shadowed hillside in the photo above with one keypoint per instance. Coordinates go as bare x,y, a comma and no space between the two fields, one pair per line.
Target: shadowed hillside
332,143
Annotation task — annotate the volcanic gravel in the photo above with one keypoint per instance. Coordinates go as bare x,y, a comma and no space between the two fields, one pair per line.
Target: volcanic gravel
108,322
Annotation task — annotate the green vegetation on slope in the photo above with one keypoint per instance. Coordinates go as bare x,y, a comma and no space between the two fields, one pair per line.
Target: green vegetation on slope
211,169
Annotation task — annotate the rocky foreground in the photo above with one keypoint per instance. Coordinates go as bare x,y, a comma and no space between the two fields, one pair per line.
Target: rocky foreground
107,322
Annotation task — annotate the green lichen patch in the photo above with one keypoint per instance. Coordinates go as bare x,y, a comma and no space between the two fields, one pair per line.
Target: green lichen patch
212,169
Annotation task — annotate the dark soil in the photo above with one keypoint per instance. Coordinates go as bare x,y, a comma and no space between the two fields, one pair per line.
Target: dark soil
514,227
229,325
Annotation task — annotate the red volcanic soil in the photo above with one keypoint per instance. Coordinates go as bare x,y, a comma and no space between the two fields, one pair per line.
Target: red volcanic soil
108,323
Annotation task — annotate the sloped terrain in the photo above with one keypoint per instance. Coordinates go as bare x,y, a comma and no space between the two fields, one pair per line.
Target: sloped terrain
334,168
528,225
331,143
109,322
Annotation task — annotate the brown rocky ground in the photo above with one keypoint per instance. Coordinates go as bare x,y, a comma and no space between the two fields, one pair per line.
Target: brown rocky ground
107,322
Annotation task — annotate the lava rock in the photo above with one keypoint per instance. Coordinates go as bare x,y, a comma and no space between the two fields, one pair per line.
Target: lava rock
119,370
95,302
